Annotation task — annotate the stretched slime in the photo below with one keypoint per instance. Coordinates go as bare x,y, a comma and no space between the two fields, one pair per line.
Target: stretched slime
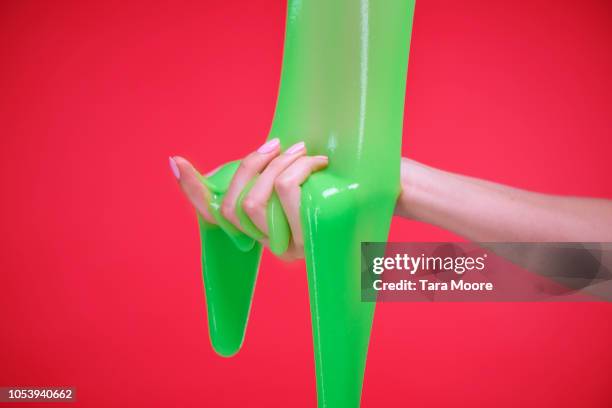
342,92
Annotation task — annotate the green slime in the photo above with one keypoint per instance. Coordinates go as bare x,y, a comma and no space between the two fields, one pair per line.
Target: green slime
342,92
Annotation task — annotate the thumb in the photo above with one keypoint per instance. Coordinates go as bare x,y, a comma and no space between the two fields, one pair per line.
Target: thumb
189,181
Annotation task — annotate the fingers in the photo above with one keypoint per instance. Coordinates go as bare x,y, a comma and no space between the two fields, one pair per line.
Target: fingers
256,201
189,181
282,173
287,186
249,167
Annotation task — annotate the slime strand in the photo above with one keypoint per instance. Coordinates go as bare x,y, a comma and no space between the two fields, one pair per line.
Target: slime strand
342,91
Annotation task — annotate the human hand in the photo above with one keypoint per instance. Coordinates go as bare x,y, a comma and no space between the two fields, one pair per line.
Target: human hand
283,172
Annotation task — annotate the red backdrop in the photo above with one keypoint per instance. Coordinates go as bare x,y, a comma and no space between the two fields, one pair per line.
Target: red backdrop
100,285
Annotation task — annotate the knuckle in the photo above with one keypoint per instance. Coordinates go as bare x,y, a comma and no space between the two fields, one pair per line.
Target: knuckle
283,184
227,210
250,204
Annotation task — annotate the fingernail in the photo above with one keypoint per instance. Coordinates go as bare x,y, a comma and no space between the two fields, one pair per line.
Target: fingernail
295,148
174,168
268,146
322,158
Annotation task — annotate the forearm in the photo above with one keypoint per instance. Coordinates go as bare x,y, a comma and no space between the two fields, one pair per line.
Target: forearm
484,211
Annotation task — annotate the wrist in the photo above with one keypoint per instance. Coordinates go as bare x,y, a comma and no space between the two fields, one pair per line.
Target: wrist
408,183
417,181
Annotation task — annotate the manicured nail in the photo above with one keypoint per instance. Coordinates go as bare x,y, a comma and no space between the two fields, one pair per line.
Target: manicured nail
174,168
269,146
322,158
295,148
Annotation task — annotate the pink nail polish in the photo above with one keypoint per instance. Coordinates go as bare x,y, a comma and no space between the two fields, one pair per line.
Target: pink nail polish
269,146
174,168
295,148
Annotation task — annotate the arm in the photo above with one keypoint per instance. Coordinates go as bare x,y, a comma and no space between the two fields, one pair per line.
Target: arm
483,211
486,212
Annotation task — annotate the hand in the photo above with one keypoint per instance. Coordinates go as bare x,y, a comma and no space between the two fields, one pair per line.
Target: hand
283,172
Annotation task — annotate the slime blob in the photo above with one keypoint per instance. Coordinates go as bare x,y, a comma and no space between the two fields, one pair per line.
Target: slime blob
342,92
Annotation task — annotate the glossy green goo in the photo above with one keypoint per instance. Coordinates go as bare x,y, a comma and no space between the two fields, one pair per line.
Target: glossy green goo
342,92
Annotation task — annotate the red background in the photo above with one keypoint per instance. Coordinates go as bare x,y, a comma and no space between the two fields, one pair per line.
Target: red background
100,285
